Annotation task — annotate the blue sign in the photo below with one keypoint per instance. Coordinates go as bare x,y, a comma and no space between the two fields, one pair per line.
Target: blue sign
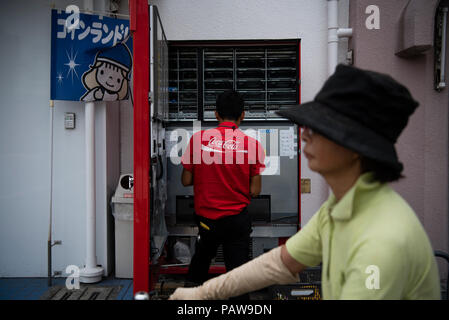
92,61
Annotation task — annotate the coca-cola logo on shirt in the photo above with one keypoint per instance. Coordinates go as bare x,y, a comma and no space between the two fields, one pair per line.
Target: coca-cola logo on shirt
228,144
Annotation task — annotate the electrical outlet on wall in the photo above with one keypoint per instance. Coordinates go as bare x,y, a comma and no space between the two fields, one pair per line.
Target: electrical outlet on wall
69,120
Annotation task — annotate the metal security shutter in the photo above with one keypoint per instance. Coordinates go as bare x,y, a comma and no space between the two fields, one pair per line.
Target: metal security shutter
183,84
266,75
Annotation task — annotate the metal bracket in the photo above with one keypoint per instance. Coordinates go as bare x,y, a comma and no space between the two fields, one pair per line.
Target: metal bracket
350,57
57,243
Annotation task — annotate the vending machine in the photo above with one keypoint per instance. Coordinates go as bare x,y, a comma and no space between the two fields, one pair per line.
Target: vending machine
175,87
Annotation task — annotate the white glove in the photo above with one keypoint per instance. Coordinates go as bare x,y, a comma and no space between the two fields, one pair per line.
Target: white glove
263,271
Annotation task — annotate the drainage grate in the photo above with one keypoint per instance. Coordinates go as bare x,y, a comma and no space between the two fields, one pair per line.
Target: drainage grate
85,292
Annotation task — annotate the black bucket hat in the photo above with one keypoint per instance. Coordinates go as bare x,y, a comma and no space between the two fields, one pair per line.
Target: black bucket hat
364,111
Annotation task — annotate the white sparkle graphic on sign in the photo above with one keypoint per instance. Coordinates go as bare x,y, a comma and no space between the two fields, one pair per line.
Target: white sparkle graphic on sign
60,77
72,64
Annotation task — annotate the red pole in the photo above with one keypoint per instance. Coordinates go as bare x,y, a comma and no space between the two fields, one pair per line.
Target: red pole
299,139
139,25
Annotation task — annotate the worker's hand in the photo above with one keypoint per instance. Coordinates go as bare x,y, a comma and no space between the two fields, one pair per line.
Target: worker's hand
255,186
186,294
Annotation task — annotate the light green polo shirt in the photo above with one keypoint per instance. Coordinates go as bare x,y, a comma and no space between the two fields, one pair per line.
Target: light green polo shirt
371,245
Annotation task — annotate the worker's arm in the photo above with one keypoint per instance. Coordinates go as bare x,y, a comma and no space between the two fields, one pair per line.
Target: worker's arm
255,185
263,271
186,178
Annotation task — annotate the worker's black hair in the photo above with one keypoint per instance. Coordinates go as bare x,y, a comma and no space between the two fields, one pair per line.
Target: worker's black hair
230,105
382,172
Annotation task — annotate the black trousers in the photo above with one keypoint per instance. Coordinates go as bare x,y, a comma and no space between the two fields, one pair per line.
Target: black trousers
232,232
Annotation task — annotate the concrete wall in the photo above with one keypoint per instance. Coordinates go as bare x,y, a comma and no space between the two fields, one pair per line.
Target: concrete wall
423,146
25,153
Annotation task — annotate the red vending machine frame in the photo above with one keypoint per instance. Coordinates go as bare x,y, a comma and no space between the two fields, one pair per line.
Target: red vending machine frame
139,26
143,274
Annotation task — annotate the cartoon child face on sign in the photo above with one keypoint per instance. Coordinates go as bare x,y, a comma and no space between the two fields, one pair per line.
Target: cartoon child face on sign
107,79
110,77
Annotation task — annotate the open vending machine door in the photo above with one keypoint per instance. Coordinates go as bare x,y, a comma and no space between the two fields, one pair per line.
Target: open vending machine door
150,83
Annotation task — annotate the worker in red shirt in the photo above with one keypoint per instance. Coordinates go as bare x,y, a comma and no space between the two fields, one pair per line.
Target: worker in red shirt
224,166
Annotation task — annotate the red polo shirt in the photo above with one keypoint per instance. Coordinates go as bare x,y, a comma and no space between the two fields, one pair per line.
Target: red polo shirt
222,161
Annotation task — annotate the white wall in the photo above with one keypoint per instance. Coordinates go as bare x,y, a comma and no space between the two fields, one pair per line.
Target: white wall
254,19
25,153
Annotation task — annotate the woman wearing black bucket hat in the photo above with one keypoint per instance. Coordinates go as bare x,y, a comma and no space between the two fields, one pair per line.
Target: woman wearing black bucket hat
368,239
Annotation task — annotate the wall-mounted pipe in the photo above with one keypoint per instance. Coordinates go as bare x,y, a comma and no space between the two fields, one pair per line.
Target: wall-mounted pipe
332,36
344,32
90,273
49,240
334,33
442,83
